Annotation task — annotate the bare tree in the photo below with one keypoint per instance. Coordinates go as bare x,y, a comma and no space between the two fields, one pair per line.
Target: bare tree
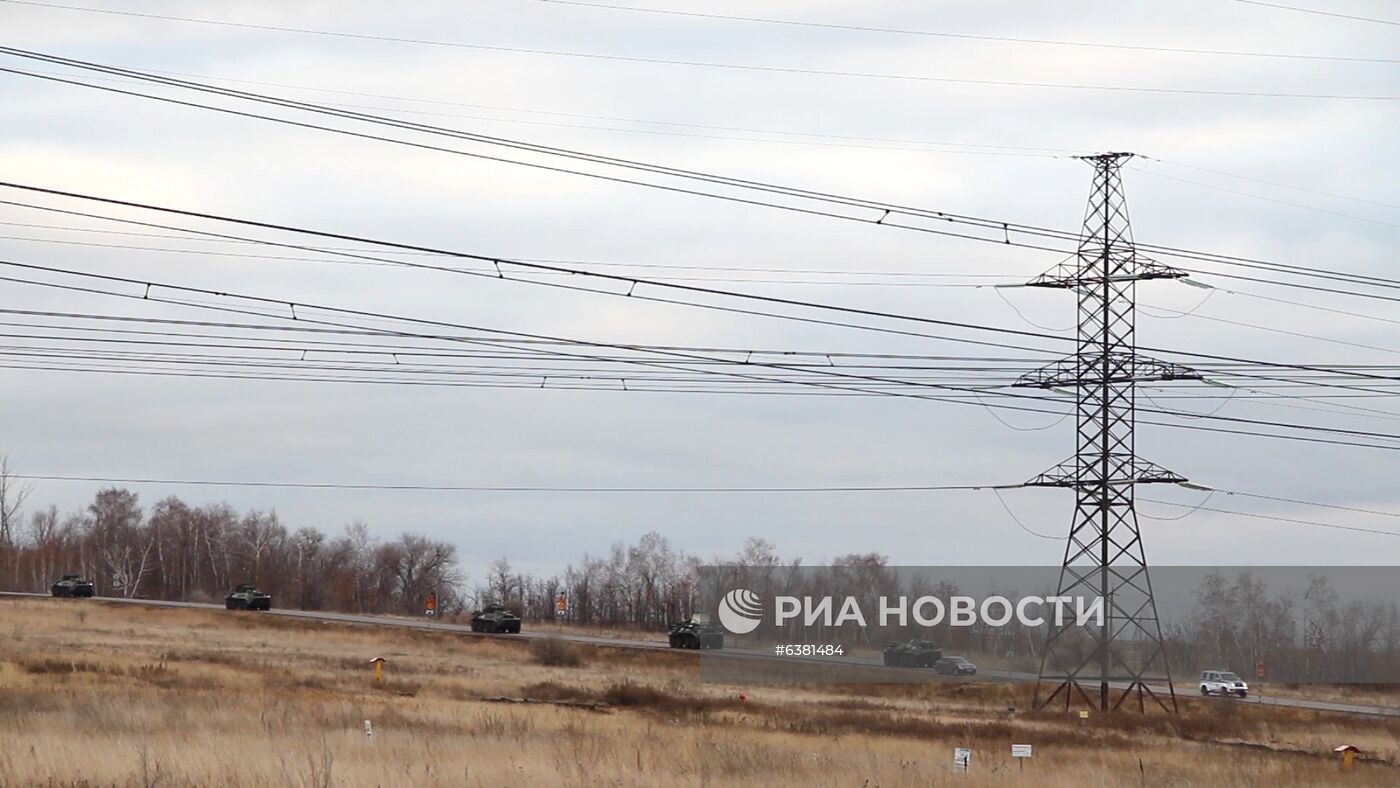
117,540
13,494
419,566
501,583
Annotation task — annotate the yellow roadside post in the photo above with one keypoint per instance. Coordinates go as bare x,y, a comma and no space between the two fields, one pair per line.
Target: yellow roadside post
1348,752
378,663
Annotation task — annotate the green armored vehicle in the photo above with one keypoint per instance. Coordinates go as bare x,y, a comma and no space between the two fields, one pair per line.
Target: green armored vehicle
912,654
71,585
697,632
248,597
495,618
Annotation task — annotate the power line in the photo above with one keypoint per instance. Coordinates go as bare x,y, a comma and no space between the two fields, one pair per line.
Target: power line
931,146
1262,423
1252,179
784,137
934,147
397,364
1004,228
498,159
1275,518
891,276
962,364
334,361
1017,520
886,210
594,263
1311,503
1320,13
742,353
671,356
814,489
1271,398
1187,513
925,146
968,36
633,281
512,488
711,291
751,67
677,357
1305,305
1313,288
1275,330
619,383
1273,200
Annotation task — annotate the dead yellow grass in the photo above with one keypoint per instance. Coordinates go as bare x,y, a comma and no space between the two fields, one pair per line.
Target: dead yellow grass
94,694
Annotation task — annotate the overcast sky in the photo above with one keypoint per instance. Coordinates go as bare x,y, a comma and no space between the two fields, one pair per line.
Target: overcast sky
888,140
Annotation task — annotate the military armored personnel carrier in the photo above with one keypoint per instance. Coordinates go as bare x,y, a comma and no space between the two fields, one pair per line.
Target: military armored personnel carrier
912,654
495,618
697,632
71,585
248,597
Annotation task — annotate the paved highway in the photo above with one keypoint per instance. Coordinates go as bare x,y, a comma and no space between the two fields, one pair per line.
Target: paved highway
744,654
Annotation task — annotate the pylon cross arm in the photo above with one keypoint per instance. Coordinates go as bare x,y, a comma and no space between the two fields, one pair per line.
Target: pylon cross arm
1113,368
1074,473
1066,277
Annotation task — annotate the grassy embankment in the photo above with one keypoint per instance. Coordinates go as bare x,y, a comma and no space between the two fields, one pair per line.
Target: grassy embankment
99,694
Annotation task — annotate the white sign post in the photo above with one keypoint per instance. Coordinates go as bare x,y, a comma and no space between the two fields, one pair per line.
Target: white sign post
1020,752
962,759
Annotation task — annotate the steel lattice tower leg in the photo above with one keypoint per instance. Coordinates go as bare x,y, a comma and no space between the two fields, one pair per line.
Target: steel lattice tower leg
1104,555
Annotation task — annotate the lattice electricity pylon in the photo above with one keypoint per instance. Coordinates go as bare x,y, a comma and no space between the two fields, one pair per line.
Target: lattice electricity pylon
1104,555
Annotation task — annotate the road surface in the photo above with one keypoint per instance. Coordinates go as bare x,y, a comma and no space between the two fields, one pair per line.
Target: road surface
656,645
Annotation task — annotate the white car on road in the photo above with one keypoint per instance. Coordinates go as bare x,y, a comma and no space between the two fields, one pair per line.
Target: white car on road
1222,682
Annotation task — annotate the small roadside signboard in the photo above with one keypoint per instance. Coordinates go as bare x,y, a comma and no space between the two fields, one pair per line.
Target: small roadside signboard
1020,752
962,759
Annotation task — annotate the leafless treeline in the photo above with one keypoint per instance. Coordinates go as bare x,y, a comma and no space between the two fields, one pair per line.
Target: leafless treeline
1240,623
642,586
197,553
647,585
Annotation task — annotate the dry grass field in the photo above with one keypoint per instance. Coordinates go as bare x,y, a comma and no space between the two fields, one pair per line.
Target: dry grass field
95,694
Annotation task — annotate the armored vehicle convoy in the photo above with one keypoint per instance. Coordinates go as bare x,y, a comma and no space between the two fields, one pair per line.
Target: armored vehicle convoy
697,632
248,597
912,654
71,585
495,618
